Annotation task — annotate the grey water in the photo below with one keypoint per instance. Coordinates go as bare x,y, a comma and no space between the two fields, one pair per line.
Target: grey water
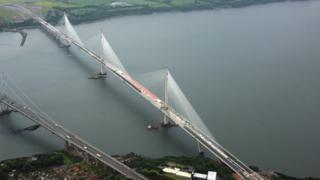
251,73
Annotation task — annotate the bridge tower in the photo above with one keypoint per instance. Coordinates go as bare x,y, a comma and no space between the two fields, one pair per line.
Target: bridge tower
166,122
4,109
166,119
102,73
200,148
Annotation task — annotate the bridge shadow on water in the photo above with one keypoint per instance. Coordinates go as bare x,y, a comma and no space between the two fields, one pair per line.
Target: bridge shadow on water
81,61
10,126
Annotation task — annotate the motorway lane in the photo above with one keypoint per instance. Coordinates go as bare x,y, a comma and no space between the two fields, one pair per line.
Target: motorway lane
72,139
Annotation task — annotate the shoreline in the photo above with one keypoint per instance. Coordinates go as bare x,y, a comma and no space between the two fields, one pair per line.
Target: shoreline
56,13
180,10
57,164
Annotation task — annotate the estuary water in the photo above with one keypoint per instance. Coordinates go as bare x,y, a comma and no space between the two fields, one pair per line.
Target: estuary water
251,73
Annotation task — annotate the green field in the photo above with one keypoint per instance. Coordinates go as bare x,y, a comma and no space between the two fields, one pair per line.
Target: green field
85,7
7,15
88,10
82,3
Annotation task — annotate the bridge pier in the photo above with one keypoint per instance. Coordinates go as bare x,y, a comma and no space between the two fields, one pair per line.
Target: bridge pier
102,74
200,149
72,149
67,146
99,75
86,157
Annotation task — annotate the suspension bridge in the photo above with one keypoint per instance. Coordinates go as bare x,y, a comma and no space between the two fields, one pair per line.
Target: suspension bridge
109,61
9,104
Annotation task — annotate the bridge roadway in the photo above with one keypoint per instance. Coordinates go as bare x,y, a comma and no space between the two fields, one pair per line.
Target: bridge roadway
71,138
212,145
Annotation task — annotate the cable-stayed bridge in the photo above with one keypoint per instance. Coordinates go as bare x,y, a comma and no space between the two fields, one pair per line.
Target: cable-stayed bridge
109,61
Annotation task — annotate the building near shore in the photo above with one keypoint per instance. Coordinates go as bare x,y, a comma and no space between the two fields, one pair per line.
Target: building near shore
119,4
210,176
196,176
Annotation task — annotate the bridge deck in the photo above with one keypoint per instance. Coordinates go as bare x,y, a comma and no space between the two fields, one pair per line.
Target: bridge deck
71,138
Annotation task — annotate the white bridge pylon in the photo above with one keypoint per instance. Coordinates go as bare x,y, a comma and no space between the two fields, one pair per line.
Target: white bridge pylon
71,32
106,51
108,54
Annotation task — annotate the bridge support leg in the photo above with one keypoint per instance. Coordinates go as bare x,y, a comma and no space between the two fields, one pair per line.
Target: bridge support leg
200,149
67,146
86,157
102,74
102,71
62,43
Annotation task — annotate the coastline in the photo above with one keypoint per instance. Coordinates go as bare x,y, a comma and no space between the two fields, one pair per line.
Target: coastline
101,13
70,164
148,11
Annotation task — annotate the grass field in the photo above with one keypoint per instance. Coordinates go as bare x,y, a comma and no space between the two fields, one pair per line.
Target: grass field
47,5
7,15
82,3
88,10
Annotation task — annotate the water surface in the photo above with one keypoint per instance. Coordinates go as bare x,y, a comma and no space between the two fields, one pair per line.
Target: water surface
251,73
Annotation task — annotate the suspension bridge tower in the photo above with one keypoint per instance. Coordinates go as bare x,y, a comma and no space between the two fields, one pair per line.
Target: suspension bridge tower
4,109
